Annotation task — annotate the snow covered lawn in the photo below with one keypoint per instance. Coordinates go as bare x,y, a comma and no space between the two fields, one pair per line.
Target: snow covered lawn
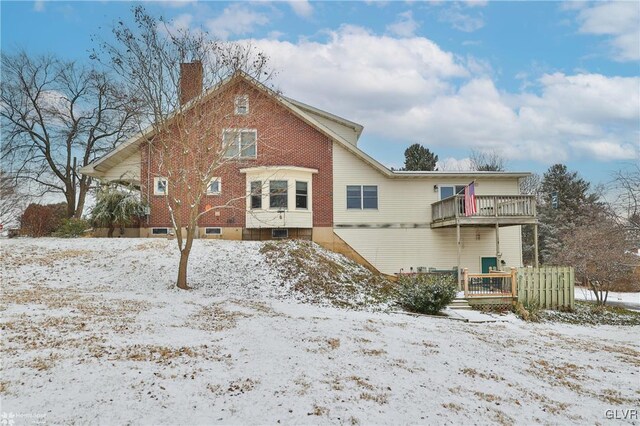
583,293
93,332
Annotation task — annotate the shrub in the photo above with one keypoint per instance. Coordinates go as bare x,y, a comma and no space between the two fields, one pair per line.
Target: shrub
41,220
116,207
426,294
529,311
71,228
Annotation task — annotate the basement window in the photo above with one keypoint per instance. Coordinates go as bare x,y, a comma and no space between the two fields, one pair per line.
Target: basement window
279,233
159,231
213,231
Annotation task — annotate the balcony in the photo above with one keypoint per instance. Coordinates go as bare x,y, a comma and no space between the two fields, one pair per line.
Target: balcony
491,210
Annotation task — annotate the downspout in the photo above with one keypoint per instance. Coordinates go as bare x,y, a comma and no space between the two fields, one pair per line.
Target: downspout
148,179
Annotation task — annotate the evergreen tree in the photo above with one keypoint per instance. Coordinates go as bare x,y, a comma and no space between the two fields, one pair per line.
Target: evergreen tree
116,207
573,203
419,158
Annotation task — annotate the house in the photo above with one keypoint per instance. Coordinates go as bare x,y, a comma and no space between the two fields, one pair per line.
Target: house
302,175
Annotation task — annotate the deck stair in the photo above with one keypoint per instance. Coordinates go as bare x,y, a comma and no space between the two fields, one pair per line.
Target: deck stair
459,303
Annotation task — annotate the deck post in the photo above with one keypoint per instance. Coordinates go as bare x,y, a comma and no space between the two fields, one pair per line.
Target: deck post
535,245
514,282
459,248
465,278
498,255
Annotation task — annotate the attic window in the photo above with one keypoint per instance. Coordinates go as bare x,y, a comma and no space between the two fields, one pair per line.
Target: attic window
242,105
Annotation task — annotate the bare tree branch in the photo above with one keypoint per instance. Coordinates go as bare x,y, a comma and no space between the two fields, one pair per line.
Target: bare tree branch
56,118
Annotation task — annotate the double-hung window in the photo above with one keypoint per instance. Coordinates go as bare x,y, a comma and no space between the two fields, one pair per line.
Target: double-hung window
302,195
256,195
239,143
160,186
278,194
241,105
362,197
215,186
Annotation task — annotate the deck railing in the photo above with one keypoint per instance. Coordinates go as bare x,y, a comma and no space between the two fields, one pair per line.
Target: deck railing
495,283
486,206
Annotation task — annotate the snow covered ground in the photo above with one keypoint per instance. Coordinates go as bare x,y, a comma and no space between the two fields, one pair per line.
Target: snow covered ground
93,332
583,293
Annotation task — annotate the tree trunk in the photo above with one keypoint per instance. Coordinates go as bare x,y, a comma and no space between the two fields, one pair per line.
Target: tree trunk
184,259
111,228
182,269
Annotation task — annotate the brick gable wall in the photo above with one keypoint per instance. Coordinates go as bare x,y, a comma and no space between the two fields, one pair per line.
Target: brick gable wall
283,140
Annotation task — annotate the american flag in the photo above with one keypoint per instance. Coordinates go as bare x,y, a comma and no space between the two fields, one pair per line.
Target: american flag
470,200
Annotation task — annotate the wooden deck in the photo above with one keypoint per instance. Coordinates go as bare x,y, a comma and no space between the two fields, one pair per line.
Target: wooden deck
491,210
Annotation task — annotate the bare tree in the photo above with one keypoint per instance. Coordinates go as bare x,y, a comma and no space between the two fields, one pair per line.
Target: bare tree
187,143
626,187
57,117
598,249
487,161
12,202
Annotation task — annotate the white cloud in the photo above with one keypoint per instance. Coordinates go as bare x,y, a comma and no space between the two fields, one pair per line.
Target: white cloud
606,150
236,20
476,3
620,20
174,3
460,19
403,88
301,8
178,24
404,26
452,164
38,5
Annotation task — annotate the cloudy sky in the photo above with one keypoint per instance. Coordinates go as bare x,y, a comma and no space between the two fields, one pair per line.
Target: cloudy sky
537,82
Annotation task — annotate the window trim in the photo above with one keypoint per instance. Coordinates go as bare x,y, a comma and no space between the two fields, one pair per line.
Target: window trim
449,185
286,195
238,141
362,207
155,185
237,103
258,196
213,179
306,196
208,228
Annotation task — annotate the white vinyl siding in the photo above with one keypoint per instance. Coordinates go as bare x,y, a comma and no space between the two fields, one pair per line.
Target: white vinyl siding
127,170
407,202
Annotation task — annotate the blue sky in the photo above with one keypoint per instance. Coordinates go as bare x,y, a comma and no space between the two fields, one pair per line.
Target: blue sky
537,82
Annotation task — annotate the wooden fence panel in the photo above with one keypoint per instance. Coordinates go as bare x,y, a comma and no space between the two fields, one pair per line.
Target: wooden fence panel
551,287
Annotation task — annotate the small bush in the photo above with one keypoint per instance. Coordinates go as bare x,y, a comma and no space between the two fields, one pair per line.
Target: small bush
71,228
42,220
426,294
530,311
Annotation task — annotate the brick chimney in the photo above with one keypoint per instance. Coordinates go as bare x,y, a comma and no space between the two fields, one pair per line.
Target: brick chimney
190,81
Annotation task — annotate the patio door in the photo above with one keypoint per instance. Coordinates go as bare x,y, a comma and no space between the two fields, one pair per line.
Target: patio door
488,263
